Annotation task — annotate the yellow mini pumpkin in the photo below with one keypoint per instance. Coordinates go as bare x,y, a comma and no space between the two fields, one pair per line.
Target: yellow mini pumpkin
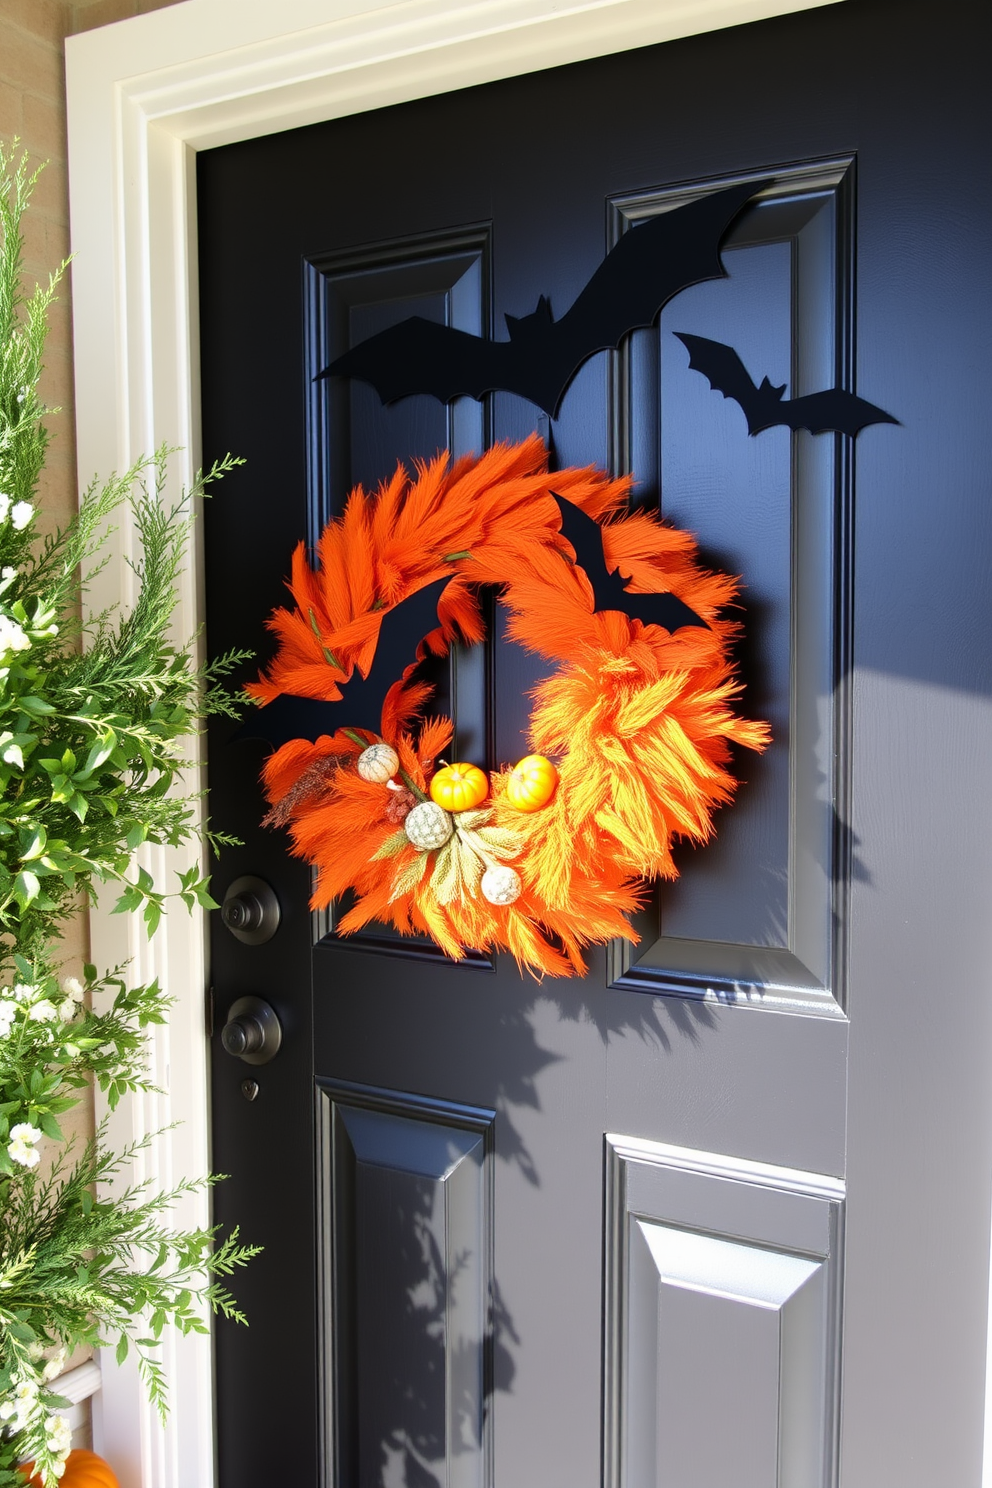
531,783
459,787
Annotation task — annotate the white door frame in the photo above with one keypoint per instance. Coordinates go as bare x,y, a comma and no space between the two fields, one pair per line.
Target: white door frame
143,96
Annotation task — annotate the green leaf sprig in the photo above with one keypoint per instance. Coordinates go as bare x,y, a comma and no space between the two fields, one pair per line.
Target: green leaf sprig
96,719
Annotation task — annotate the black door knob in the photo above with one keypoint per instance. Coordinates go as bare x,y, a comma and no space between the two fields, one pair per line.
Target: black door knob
252,1031
250,910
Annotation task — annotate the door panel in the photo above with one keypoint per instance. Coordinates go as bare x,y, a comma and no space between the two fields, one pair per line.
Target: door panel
596,1231
722,1286
407,1273
352,439
755,913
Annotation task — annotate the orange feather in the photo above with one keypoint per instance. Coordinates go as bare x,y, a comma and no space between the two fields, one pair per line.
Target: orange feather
640,720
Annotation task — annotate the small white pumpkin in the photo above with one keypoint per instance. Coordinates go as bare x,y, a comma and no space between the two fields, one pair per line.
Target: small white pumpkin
379,763
501,885
428,826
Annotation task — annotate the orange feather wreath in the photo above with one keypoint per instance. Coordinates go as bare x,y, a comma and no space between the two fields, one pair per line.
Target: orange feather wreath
640,720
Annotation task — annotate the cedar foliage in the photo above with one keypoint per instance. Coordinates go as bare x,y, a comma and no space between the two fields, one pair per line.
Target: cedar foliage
93,719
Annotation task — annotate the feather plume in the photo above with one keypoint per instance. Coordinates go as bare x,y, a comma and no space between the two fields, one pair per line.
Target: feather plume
640,720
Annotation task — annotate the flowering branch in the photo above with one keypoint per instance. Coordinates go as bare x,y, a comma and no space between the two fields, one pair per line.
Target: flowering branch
93,719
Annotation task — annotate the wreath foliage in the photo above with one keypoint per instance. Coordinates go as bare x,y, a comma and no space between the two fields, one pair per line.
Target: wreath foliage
640,721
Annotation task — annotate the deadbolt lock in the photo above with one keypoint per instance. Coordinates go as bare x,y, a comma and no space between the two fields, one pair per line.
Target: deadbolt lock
251,910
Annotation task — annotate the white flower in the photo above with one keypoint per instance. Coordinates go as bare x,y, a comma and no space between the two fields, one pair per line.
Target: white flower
54,1367
68,1010
21,514
12,756
8,573
25,1132
59,1438
25,1391
8,1012
73,987
12,637
24,991
20,1152
22,1149
16,1416
43,1011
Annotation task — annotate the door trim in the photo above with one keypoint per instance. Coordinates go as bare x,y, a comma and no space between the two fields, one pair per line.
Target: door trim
143,96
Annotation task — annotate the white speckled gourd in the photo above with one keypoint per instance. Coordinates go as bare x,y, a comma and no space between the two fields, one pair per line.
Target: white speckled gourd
379,763
428,826
501,885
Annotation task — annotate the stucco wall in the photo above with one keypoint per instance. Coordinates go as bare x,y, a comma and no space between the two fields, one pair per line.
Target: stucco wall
32,106
32,109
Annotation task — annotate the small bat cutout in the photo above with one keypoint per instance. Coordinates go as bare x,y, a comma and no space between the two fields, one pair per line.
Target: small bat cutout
402,629
649,266
833,410
586,537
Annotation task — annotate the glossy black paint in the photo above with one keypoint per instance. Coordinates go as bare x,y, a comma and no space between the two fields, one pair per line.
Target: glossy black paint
608,590
874,79
401,631
628,289
832,411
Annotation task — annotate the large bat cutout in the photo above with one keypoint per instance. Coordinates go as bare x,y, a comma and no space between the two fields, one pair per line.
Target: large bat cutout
832,410
402,629
586,537
650,264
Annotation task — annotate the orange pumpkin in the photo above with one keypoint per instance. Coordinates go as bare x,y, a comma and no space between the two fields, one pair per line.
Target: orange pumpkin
459,787
531,783
82,1470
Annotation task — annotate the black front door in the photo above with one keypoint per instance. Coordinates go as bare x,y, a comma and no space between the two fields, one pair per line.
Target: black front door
592,1230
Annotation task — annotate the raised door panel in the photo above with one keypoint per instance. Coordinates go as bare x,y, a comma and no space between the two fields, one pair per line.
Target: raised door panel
758,914
353,439
714,1361
406,1284
722,1321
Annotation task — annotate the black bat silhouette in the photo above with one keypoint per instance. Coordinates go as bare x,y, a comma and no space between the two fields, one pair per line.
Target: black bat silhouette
402,629
586,537
650,264
834,410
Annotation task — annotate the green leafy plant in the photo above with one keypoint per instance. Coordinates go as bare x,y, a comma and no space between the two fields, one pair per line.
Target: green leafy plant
94,717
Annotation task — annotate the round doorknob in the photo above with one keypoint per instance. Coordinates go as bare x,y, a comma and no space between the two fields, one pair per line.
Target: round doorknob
250,910
252,1031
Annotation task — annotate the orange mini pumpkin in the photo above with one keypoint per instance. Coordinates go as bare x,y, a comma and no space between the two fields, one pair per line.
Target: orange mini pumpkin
459,787
531,783
82,1470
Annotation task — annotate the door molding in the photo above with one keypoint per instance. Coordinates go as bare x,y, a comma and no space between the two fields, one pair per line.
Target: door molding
143,96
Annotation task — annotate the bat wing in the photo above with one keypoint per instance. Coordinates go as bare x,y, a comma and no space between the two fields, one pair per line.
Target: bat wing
666,610
834,410
402,629
650,264
725,372
764,407
400,634
647,267
609,593
420,356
